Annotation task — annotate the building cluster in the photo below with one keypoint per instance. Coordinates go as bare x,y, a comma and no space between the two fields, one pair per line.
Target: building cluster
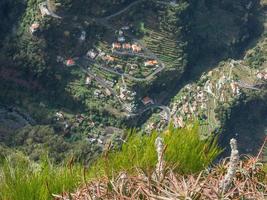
95,54
128,98
132,48
151,63
196,101
108,58
188,106
262,75
122,45
126,95
34,27
159,122
235,88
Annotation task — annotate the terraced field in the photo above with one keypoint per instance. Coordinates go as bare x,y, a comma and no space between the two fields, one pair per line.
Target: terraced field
165,46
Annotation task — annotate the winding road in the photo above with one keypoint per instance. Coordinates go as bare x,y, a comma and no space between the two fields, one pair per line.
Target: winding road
19,118
123,10
150,55
246,85
48,5
120,53
102,82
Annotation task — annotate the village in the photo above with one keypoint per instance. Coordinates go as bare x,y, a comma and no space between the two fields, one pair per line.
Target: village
111,70
221,86
114,66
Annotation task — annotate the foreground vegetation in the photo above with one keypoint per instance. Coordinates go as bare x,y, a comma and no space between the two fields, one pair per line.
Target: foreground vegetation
248,183
130,173
23,180
184,152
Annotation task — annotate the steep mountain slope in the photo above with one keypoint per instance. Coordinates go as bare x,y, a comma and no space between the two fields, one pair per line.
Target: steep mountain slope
81,69
228,99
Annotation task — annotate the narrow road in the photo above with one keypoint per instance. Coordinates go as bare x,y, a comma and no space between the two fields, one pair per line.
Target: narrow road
49,7
246,85
131,54
20,116
101,82
163,108
123,10
151,55
113,71
149,77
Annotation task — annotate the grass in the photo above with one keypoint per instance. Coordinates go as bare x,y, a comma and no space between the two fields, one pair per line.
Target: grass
21,180
185,153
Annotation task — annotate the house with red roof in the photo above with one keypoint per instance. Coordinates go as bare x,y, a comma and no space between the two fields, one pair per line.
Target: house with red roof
70,62
151,63
147,100
34,27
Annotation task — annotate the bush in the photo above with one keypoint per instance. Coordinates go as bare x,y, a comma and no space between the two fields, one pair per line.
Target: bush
185,153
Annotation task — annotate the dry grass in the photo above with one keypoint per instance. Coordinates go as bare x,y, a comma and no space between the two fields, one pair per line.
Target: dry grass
249,183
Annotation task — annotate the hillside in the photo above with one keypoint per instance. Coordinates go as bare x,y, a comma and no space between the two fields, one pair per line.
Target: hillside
88,84
77,76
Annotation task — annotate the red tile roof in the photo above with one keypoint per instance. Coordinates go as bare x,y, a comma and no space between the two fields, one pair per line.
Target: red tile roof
70,62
